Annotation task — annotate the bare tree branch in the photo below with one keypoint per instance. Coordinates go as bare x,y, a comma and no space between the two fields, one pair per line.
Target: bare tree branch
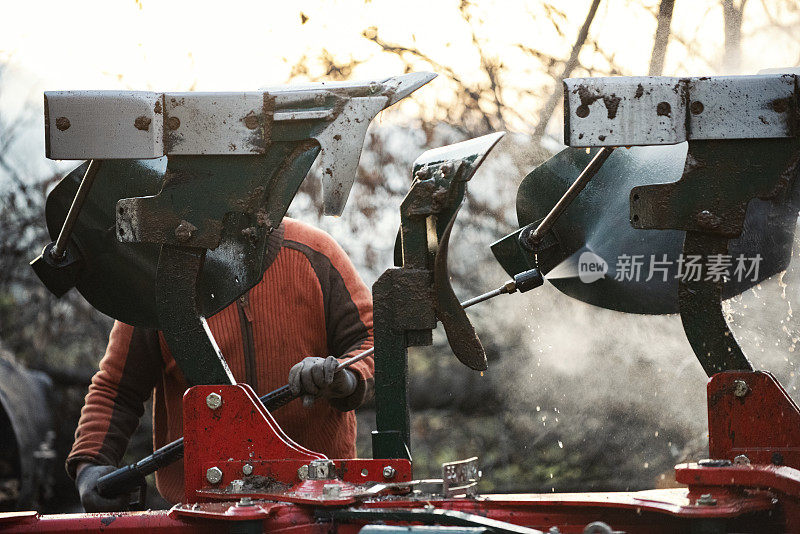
662,38
550,106
733,12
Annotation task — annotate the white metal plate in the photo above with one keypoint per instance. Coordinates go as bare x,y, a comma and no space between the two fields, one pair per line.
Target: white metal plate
636,110
755,107
216,123
655,110
103,124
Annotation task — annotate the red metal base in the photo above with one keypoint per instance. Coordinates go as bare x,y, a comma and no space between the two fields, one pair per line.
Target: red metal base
255,458
650,512
750,415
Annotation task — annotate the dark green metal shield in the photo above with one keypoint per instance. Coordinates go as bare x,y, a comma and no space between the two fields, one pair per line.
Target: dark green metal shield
250,196
595,233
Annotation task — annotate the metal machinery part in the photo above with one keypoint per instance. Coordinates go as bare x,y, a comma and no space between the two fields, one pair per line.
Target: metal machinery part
598,223
244,475
737,181
177,222
409,299
741,132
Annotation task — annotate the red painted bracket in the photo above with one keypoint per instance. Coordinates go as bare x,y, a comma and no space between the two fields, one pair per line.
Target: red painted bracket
228,430
749,413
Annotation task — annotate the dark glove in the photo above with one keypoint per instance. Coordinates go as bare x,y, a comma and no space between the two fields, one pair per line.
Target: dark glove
317,377
86,482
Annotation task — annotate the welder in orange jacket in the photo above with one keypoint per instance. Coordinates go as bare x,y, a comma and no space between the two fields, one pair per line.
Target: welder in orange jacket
309,305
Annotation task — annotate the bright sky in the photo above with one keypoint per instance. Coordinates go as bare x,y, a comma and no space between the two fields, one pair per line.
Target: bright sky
241,45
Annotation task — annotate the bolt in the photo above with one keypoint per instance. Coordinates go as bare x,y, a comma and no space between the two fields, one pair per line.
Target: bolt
331,491
214,475
246,501
251,121
237,486
173,123
741,460
184,231
62,123
597,527
706,500
247,469
389,472
213,401
714,462
740,388
302,472
696,107
707,220
142,123
374,87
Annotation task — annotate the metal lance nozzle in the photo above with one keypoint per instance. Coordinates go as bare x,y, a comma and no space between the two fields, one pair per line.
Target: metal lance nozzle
522,282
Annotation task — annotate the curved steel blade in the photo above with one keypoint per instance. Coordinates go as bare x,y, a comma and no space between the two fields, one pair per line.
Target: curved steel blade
596,229
460,333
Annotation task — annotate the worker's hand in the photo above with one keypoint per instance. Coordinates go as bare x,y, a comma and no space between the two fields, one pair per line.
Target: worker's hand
86,482
317,377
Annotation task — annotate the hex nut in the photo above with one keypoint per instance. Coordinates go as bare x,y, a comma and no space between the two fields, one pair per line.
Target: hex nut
214,401
247,469
389,472
320,470
214,475
740,388
741,460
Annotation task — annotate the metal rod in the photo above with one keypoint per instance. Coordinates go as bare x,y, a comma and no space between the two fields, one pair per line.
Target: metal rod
77,203
486,296
563,203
